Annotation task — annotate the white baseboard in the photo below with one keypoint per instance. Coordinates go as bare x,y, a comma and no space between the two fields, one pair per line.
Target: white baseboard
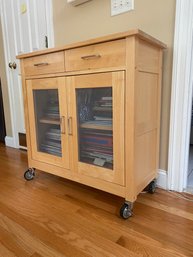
9,141
162,179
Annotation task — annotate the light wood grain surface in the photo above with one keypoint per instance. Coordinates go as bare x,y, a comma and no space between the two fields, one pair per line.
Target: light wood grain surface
135,32
136,92
53,217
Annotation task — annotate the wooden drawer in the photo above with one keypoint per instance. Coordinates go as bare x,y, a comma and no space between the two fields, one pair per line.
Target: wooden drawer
44,64
103,55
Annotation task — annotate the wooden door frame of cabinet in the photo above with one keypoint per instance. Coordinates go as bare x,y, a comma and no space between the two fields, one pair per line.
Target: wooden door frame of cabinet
108,79
47,84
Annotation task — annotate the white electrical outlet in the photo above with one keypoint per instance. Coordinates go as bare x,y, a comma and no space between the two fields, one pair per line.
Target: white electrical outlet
121,6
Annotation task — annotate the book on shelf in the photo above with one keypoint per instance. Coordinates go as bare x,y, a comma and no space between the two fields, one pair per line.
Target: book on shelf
51,147
97,124
54,134
52,142
97,140
106,98
102,118
88,131
103,108
105,157
96,135
52,111
96,149
95,144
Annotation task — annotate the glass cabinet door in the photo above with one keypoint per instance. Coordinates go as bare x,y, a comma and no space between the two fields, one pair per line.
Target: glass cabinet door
95,130
98,119
47,121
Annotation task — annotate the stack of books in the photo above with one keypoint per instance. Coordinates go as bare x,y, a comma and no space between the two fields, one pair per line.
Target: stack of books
104,104
52,142
52,111
95,137
96,144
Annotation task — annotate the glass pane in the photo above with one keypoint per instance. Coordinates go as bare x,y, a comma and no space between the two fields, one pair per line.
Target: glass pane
95,114
47,121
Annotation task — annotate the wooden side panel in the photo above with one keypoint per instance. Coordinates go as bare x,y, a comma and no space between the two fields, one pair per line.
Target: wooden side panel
159,104
147,57
129,119
145,159
146,101
26,110
147,113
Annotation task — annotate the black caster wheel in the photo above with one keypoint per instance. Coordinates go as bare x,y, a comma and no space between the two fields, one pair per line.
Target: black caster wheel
29,174
152,187
126,211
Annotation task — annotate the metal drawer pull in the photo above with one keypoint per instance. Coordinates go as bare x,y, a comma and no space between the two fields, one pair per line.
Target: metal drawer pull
93,56
70,126
62,125
41,64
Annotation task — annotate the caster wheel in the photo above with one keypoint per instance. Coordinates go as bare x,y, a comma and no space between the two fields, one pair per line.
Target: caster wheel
125,211
152,187
29,174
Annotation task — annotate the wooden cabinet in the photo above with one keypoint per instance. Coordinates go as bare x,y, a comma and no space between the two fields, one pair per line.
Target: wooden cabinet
92,112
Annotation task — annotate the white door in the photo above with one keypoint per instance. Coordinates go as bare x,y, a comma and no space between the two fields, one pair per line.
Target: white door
27,26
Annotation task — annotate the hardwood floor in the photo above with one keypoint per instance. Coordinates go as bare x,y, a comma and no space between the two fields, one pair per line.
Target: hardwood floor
53,217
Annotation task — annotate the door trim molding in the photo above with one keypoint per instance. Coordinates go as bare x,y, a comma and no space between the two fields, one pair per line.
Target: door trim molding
181,97
9,141
15,140
50,31
162,179
50,23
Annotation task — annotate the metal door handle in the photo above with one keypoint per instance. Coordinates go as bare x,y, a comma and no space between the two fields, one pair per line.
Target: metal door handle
62,125
12,65
70,126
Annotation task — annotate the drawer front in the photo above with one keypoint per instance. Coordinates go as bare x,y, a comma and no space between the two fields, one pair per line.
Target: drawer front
44,64
104,55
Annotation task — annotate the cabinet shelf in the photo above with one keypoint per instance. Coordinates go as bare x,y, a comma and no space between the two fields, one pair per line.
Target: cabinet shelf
88,125
50,121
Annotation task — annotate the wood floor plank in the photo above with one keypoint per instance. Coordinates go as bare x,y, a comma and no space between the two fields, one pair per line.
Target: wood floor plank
167,209
53,217
45,234
68,229
140,239
4,252
9,241
146,249
36,255
25,240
